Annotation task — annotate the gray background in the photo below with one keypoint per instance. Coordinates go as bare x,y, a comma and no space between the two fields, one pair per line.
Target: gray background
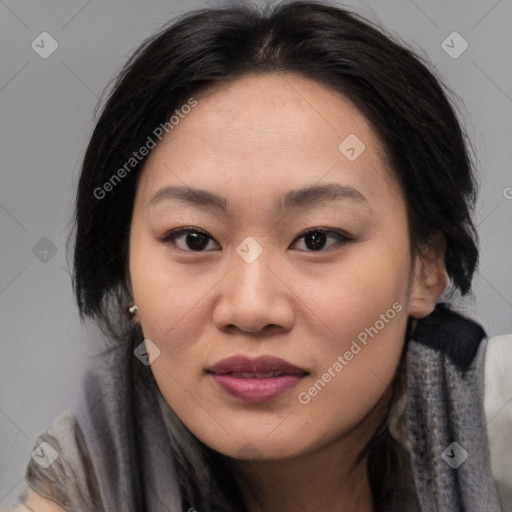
46,109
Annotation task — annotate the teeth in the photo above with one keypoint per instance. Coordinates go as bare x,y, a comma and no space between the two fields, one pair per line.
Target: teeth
257,375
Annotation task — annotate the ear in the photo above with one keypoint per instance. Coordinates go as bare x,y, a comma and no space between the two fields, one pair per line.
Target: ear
430,277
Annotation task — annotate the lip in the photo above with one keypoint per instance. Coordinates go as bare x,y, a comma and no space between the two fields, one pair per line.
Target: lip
259,364
255,380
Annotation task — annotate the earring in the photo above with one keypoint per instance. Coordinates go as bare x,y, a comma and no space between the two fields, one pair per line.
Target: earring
133,309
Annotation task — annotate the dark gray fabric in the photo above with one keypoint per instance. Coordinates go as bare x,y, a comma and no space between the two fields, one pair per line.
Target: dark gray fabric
133,474
106,462
445,385
70,479
121,465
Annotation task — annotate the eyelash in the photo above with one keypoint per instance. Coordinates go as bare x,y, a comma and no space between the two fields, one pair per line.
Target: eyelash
342,237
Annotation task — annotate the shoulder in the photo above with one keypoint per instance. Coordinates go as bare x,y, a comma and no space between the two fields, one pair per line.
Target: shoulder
33,502
498,411
59,472
62,469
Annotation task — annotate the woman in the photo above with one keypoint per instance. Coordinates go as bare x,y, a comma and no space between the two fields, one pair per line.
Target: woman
273,211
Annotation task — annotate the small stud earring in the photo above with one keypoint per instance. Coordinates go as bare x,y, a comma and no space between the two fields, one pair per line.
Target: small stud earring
133,309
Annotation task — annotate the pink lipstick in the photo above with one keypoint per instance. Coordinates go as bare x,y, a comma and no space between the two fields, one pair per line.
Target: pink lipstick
255,380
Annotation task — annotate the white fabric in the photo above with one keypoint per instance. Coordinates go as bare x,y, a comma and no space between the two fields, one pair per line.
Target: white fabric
498,412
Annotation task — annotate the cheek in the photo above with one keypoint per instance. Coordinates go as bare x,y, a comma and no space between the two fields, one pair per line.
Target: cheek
359,360
361,288
364,306
166,293
356,369
173,311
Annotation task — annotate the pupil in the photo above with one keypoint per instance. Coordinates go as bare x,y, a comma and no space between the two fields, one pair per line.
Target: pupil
317,238
196,241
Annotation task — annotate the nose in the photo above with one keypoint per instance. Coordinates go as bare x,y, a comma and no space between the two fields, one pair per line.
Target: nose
254,298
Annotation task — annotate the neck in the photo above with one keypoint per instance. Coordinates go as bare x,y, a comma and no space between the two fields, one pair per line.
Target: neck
310,483
329,478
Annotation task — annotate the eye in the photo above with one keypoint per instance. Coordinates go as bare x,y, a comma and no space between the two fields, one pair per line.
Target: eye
195,239
315,238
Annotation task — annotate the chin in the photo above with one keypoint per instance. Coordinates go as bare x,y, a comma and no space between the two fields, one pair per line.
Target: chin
253,445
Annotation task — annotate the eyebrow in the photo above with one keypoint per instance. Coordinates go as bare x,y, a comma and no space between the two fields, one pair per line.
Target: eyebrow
302,197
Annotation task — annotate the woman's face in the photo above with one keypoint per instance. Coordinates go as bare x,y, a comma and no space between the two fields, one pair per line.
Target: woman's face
271,157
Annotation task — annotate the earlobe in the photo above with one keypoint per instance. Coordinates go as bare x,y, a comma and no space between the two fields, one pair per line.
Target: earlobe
430,278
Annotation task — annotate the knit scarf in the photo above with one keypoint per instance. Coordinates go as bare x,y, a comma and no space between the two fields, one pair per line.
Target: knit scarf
445,417
125,439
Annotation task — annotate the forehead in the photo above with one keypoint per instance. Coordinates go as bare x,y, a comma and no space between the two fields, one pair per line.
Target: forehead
266,131
277,108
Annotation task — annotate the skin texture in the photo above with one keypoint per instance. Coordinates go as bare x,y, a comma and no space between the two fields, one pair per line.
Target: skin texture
36,503
251,140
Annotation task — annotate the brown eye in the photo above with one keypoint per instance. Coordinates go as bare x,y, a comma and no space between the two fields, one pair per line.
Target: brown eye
191,239
197,240
316,239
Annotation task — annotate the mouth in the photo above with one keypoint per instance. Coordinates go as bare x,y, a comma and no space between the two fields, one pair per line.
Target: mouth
255,380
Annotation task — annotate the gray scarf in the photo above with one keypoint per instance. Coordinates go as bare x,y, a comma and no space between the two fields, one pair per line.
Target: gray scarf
124,423
445,386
